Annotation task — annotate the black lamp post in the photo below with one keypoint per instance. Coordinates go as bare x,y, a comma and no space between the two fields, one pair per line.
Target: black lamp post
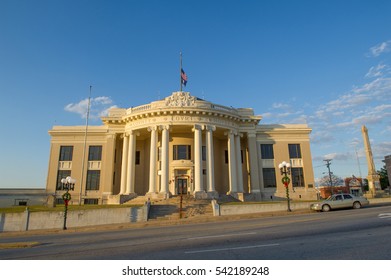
285,169
67,184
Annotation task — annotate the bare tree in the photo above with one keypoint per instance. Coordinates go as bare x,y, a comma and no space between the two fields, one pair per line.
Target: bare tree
336,181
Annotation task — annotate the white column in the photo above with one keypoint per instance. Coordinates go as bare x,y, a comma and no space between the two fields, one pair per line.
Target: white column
124,163
164,174
239,169
210,159
253,161
153,160
232,163
131,162
198,186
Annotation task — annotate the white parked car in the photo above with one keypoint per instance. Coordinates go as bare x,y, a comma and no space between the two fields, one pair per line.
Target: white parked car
337,201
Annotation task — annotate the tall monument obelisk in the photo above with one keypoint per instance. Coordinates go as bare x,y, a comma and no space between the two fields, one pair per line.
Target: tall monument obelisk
373,177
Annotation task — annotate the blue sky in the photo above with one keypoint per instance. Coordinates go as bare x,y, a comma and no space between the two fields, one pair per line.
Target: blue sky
324,63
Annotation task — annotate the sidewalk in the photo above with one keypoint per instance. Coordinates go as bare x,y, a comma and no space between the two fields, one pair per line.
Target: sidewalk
171,222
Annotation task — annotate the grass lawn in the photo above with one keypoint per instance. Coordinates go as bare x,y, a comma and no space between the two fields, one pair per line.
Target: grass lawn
60,207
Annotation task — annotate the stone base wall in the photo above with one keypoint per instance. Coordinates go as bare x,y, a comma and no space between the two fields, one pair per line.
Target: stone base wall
77,218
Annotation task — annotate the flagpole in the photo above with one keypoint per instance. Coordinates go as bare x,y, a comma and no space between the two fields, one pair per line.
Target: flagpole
85,147
180,72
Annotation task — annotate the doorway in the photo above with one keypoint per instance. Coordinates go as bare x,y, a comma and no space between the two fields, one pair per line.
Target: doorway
181,185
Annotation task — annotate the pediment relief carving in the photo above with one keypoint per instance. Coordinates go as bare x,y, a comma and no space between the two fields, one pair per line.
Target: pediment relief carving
180,99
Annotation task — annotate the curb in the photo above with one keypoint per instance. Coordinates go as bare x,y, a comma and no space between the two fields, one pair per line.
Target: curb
18,245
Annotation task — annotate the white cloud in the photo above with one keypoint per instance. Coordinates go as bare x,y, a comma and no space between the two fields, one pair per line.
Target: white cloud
347,101
98,108
380,48
280,106
376,71
355,142
363,96
382,149
341,125
321,137
378,88
338,156
381,108
367,119
300,119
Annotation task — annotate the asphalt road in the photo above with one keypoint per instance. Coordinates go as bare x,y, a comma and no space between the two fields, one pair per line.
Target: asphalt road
337,235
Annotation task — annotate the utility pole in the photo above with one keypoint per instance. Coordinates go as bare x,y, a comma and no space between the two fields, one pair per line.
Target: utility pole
328,163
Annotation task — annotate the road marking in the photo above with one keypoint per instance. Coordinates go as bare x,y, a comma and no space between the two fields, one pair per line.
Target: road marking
385,216
232,248
222,235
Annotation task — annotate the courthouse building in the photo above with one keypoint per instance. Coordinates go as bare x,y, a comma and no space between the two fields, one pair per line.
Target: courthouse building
181,144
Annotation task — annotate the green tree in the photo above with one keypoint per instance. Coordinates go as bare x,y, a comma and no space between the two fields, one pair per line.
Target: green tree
384,183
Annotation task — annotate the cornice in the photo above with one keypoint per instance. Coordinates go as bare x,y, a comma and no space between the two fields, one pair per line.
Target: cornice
180,104
283,129
76,130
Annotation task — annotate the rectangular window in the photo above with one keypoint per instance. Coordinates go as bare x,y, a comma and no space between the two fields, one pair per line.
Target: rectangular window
93,180
66,153
61,174
269,177
182,152
137,157
21,202
159,154
95,153
297,177
91,201
203,153
267,151
59,201
294,150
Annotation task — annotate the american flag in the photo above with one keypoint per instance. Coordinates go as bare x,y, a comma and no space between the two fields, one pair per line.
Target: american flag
183,77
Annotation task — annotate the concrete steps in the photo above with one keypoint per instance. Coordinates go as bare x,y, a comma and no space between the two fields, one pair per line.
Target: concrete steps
163,212
168,209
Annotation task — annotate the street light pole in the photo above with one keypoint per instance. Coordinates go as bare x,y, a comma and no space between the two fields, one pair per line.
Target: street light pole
67,184
285,169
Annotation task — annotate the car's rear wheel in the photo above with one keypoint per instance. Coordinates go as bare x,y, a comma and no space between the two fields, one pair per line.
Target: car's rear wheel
326,208
356,205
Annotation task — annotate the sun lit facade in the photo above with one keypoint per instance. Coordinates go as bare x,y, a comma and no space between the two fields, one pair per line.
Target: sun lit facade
181,144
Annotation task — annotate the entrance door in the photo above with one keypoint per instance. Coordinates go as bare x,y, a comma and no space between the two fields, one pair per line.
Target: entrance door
181,186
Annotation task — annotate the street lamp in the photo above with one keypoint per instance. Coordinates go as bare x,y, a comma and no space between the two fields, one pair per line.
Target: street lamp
285,169
67,184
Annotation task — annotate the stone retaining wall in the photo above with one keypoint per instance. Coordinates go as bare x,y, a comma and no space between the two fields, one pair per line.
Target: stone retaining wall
250,208
76,218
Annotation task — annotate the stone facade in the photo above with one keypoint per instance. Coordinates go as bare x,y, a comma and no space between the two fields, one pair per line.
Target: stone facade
180,144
